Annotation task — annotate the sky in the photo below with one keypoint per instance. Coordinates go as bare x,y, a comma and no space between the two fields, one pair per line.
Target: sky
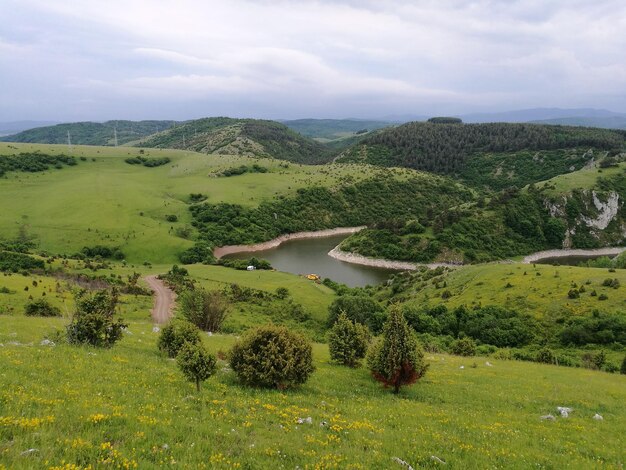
183,59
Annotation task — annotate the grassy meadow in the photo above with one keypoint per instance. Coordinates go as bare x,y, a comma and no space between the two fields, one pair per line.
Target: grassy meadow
129,407
539,290
104,200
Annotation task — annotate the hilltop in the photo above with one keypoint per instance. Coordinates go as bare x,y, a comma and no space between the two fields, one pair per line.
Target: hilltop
90,133
494,155
245,137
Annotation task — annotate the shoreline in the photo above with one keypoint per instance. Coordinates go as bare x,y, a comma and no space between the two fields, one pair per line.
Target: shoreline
540,255
354,258
231,249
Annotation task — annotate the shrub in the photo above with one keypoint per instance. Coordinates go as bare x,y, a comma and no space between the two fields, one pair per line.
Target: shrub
175,334
546,356
205,309
273,357
464,347
41,308
396,359
93,321
282,292
171,218
594,360
348,341
196,363
622,369
573,294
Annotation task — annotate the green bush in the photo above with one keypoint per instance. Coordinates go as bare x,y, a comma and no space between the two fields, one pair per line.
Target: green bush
396,359
93,321
205,309
196,363
41,308
348,341
464,347
272,357
622,369
175,334
546,356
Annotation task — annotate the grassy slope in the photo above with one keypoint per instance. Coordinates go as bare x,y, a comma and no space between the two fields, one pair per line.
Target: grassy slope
131,406
585,178
537,295
100,202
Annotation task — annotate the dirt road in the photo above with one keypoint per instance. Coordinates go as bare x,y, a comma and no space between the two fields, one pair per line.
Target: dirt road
164,299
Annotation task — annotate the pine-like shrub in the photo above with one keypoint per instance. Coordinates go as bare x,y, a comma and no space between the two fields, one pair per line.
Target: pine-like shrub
397,359
273,357
93,321
348,341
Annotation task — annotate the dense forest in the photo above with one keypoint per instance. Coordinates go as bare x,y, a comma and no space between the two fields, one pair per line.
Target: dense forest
496,154
382,200
91,133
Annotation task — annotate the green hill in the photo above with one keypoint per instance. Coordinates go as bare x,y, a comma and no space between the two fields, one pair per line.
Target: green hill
493,155
90,133
246,137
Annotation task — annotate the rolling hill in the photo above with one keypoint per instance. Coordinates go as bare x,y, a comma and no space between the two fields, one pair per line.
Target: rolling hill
90,133
245,137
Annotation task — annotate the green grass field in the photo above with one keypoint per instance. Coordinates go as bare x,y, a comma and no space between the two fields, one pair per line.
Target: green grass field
539,290
586,178
129,407
108,201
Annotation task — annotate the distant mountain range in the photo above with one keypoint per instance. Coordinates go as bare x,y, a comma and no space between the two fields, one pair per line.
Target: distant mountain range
8,128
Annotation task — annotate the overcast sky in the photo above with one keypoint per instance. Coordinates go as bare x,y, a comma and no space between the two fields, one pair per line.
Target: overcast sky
181,59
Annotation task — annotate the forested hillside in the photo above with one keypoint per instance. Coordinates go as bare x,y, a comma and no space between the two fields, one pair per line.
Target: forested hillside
91,133
497,154
246,137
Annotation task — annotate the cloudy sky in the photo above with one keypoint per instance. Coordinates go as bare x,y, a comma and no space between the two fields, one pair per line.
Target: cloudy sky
181,59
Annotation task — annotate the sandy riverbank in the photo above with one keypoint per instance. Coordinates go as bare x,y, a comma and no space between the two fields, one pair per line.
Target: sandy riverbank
564,253
230,249
354,258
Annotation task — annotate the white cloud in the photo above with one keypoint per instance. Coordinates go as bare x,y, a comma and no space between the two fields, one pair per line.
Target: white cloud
335,54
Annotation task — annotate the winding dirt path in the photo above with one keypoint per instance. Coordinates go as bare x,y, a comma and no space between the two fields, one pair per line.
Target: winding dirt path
164,299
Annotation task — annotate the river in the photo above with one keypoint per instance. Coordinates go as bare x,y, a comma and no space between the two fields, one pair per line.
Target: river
310,256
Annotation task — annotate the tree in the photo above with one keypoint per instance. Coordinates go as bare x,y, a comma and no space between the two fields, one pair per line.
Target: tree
196,363
205,309
273,357
397,359
175,335
93,321
348,341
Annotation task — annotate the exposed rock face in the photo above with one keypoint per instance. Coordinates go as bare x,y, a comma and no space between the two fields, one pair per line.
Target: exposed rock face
607,211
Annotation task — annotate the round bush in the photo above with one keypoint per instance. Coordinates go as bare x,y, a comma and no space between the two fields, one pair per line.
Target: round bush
175,334
348,341
272,357
464,347
196,363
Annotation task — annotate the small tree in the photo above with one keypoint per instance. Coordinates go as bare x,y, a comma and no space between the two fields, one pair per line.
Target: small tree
272,356
175,334
196,363
205,309
348,341
93,321
397,359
